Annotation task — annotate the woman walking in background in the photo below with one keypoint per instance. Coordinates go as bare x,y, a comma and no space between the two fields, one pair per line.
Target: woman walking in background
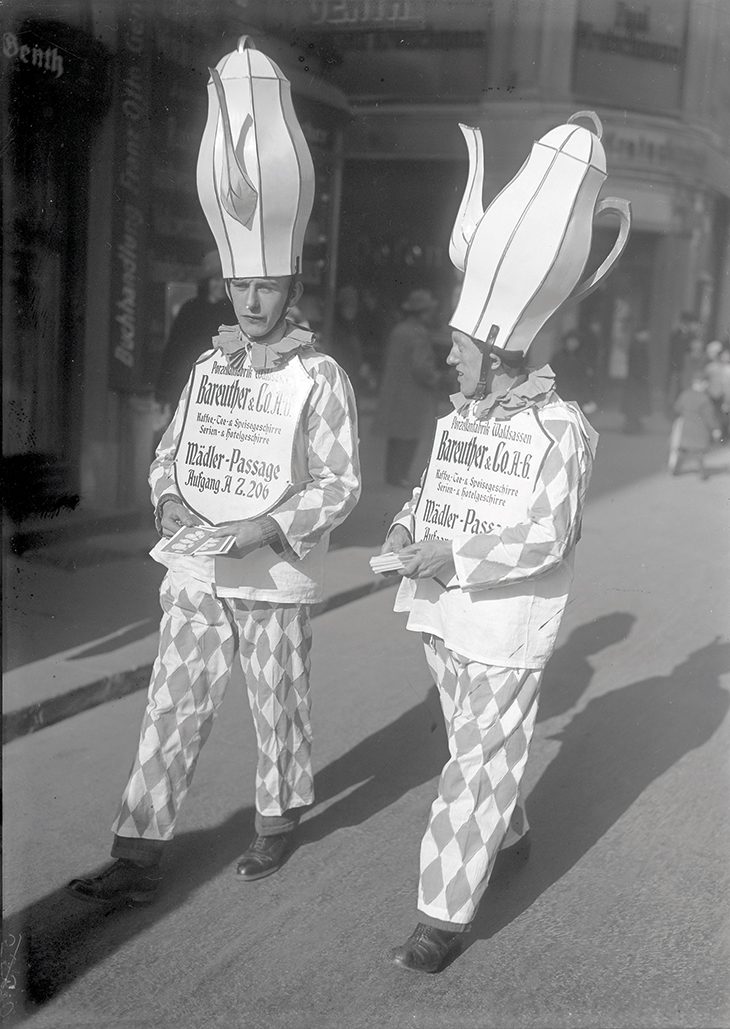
694,428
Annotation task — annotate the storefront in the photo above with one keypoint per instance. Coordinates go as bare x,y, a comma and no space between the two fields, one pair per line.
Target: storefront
55,94
104,232
106,235
646,69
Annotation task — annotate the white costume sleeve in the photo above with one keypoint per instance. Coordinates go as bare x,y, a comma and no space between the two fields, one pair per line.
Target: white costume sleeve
330,443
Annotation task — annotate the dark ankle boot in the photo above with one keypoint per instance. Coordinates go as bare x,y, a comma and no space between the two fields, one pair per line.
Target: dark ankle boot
265,856
426,949
124,882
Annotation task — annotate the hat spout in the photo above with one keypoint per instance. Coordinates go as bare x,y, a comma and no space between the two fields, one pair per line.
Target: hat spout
472,206
238,194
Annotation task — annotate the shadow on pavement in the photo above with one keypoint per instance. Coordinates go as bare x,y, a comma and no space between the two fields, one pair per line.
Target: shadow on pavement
568,672
61,938
408,752
611,752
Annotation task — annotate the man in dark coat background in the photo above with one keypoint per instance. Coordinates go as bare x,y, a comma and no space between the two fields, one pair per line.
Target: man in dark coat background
192,331
411,386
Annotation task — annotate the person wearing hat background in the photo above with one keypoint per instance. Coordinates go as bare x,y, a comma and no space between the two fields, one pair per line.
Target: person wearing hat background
263,448
485,545
411,386
717,370
197,321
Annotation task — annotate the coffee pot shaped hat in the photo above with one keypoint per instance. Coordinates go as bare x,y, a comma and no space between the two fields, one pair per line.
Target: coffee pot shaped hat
255,175
522,257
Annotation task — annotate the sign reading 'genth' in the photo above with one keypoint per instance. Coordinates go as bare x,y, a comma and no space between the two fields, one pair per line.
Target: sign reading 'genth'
481,475
234,458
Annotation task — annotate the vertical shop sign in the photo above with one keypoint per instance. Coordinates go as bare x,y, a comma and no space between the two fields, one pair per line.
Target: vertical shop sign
130,197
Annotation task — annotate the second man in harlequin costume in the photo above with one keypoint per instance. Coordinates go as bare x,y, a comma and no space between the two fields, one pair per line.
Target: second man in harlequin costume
263,446
486,544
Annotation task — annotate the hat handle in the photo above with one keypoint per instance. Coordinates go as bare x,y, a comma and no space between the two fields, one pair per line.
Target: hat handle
623,209
245,43
591,115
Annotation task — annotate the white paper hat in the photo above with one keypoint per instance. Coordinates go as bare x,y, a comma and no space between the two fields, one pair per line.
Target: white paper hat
255,174
523,256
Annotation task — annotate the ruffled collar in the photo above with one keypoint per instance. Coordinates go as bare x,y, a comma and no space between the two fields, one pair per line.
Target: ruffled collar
535,390
264,357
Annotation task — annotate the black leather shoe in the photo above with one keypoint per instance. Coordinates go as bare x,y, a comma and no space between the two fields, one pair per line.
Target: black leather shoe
265,856
426,949
121,883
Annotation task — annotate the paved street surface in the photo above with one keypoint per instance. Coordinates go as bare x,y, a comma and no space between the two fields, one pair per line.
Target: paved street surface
618,919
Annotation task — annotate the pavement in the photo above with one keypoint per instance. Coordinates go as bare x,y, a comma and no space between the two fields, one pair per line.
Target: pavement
81,607
619,917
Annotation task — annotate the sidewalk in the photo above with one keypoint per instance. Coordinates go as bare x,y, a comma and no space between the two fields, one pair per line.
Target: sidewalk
81,615
81,620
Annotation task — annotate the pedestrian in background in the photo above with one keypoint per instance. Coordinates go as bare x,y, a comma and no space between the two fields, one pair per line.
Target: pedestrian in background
375,320
693,364
574,372
679,341
197,321
635,399
345,344
411,386
694,428
717,370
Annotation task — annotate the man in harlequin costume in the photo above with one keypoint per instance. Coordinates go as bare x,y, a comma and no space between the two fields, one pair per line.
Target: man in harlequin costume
263,446
486,548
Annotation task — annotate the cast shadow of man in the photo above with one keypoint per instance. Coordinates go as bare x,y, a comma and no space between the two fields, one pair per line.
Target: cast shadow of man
413,749
569,672
611,752
61,938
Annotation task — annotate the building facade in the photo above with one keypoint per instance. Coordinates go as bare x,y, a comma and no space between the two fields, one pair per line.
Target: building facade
103,230
657,73
104,234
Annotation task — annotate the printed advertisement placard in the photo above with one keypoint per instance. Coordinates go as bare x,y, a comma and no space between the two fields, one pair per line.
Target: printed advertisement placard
235,452
481,475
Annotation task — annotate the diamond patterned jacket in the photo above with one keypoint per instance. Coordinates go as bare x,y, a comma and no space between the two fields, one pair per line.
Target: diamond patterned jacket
513,583
325,459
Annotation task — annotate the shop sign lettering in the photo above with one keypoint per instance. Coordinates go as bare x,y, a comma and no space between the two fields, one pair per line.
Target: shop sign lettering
48,60
368,12
652,30
131,200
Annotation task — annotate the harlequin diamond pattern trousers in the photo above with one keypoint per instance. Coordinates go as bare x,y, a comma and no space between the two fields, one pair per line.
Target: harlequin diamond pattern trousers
201,636
490,717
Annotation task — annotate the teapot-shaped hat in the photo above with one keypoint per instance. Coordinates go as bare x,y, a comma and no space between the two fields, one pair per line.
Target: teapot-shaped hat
523,256
255,174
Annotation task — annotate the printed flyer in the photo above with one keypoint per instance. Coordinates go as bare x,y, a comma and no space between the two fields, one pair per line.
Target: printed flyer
195,540
235,452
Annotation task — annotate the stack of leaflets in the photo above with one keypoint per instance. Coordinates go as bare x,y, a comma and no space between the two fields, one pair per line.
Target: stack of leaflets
197,540
386,563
